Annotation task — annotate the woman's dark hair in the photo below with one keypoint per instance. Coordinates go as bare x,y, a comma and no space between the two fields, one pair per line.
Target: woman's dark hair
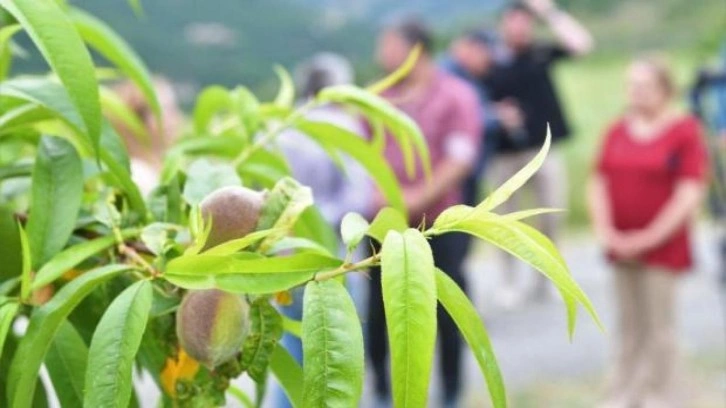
414,31
517,7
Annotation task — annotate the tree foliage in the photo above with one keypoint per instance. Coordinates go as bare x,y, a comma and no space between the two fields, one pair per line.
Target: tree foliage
100,271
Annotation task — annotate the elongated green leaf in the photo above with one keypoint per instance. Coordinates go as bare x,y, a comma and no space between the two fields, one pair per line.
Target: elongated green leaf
73,256
312,225
6,33
265,331
7,314
458,306
115,108
292,326
399,74
16,171
241,396
387,219
66,362
50,95
25,277
352,229
333,365
402,127
534,248
114,346
359,150
51,98
286,94
288,244
211,101
11,257
109,44
520,215
236,245
43,326
283,207
245,272
22,116
264,168
62,47
288,374
502,194
56,198
409,299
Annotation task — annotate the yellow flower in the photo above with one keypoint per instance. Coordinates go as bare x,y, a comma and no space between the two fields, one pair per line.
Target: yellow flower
182,368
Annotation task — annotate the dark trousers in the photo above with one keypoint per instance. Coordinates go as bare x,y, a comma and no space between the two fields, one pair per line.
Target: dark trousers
449,252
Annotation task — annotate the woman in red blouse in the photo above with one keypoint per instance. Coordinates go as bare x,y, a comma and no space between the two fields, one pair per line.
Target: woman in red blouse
649,182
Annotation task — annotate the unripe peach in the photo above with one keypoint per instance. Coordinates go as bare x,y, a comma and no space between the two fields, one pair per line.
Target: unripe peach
233,212
212,325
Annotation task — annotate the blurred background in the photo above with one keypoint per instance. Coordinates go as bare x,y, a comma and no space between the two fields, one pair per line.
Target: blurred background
196,43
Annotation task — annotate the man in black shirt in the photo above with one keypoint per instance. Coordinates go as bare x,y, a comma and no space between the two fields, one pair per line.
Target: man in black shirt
523,87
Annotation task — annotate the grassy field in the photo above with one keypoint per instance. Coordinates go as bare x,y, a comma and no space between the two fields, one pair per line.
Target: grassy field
593,93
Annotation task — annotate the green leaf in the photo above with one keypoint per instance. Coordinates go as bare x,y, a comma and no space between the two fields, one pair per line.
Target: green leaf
312,225
502,194
52,98
25,277
245,272
44,324
11,257
387,219
265,331
17,170
288,374
458,306
205,176
6,33
286,94
74,255
114,346
7,315
115,108
534,248
56,198
66,362
283,206
333,364
210,101
399,74
157,236
288,244
409,299
62,47
240,395
352,229
236,245
112,47
22,116
292,326
264,168
403,128
359,150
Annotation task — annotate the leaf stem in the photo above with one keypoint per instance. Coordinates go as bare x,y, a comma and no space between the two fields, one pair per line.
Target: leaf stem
348,267
272,134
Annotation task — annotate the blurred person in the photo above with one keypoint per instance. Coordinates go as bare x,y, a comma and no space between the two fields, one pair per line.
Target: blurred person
471,57
527,102
336,192
147,159
649,181
708,102
447,111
